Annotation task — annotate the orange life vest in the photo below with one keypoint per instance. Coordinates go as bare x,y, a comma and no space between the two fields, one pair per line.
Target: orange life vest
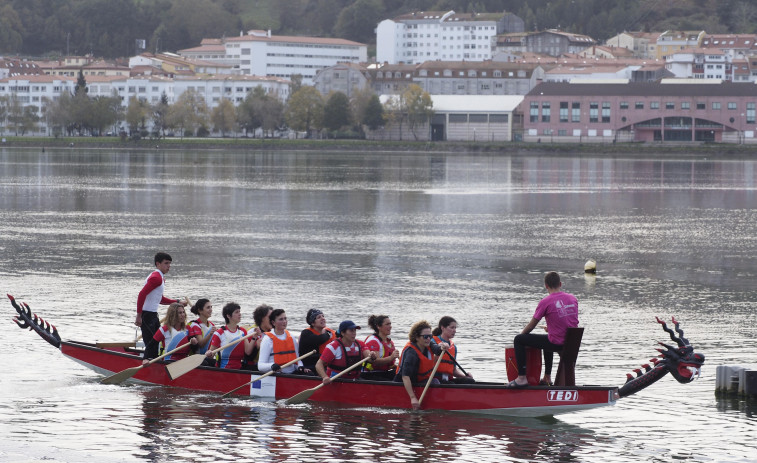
425,365
447,367
283,351
322,347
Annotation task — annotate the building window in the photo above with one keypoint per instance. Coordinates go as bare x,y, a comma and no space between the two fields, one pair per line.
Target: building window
575,112
545,112
715,105
654,105
605,111
750,113
701,106
732,105
685,105
563,111
639,105
534,112
623,105
670,105
593,112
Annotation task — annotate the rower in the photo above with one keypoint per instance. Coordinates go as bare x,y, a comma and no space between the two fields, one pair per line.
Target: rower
342,353
448,372
315,337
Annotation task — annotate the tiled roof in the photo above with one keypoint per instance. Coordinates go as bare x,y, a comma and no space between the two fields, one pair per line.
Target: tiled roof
643,89
295,39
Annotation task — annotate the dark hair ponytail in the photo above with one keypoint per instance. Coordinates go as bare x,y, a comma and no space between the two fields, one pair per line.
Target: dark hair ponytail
199,304
444,322
375,321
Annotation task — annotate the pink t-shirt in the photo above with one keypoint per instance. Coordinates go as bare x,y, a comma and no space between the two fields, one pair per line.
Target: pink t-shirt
560,310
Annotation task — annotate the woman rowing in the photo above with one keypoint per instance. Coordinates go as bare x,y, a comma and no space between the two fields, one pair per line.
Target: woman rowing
448,372
383,368
279,347
202,329
232,357
342,353
171,335
316,337
417,360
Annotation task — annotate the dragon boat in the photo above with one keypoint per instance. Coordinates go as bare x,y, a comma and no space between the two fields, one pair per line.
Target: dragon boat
480,398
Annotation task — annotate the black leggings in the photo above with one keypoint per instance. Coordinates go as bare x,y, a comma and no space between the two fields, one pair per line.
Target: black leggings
540,341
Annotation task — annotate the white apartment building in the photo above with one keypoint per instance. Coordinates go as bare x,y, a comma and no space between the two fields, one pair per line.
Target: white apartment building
37,89
435,35
261,54
700,63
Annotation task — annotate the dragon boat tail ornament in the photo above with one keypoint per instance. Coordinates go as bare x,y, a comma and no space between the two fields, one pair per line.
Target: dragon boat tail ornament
680,361
27,319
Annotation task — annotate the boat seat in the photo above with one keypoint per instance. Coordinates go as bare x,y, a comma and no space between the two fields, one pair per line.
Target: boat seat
566,370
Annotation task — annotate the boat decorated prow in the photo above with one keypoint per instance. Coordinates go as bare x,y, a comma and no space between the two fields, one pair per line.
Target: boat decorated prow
26,319
490,398
681,362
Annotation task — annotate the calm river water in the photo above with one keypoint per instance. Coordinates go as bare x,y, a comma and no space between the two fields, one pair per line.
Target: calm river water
413,236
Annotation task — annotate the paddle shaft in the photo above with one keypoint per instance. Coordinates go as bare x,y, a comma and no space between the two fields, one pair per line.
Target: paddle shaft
123,375
188,364
458,365
270,372
431,378
305,395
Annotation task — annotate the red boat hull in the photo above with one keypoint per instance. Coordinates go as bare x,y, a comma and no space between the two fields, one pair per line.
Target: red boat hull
486,398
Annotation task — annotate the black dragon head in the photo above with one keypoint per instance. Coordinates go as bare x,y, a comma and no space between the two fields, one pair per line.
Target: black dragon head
27,319
680,361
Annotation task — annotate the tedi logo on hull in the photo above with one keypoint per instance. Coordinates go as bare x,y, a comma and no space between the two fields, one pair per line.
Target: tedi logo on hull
562,396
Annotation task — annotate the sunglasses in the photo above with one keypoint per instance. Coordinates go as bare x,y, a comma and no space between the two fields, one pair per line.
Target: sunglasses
427,336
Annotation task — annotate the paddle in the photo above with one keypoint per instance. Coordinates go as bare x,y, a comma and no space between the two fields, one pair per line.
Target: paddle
122,376
270,372
188,364
305,395
430,378
455,361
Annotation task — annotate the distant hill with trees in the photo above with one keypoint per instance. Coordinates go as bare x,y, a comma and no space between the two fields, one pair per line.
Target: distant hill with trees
112,28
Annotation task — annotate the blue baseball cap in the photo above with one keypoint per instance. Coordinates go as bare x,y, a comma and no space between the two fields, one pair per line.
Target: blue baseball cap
347,325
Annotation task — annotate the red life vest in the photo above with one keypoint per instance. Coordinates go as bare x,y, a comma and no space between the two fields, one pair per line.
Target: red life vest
385,350
425,365
447,367
322,347
346,361
282,351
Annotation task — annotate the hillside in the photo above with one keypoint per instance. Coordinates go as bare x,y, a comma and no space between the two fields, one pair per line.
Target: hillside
110,28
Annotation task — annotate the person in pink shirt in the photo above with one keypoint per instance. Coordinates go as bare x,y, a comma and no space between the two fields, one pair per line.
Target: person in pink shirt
560,311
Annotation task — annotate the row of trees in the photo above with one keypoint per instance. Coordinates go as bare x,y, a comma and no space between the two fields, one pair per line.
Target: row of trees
259,114
109,28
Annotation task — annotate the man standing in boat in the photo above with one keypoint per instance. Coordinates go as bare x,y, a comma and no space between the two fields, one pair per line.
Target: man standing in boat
560,310
151,296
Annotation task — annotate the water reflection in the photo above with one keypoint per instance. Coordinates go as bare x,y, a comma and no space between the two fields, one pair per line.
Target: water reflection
177,424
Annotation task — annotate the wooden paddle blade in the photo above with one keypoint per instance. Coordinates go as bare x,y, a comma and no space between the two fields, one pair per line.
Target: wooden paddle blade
121,376
184,365
302,396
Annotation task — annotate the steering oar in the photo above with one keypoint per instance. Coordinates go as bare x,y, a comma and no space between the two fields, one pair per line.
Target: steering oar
430,378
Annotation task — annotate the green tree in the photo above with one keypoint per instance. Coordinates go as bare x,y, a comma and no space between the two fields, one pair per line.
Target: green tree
3,111
223,117
136,116
358,21
373,116
295,83
249,111
304,110
273,114
104,112
418,106
81,84
336,112
11,30
189,112
29,119
160,116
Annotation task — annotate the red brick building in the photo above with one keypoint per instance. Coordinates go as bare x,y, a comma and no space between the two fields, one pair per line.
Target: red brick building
667,111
